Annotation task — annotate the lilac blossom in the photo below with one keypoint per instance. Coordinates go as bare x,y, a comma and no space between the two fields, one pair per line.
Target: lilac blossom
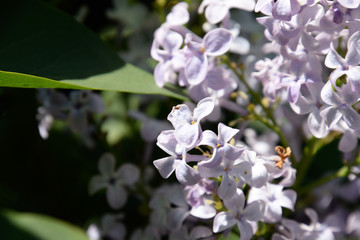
177,161
316,230
198,232
187,124
310,102
228,170
215,43
114,181
220,145
340,106
111,228
244,217
275,197
217,10
345,66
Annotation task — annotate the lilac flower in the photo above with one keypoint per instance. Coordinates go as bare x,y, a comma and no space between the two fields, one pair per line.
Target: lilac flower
198,232
285,9
311,102
215,43
199,197
187,125
111,228
220,145
179,15
340,106
345,66
82,103
275,197
114,181
217,10
316,230
177,161
228,170
259,173
349,3
290,229
244,217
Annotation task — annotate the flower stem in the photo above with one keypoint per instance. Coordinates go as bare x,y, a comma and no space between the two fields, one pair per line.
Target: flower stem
269,113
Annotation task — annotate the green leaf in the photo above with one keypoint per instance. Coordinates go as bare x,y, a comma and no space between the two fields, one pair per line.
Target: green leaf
42,47
31,226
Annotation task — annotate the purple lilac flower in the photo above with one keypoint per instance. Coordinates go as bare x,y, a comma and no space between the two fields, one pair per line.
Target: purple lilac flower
275,197
244,217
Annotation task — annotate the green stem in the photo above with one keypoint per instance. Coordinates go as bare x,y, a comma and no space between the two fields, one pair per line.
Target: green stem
269,114
342,172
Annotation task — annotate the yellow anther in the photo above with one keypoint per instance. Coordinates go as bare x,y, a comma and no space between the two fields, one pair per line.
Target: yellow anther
218,145
245,172
226,169
202,49
193,122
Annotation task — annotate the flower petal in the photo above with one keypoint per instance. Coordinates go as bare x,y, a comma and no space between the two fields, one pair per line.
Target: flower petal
116,196
217,41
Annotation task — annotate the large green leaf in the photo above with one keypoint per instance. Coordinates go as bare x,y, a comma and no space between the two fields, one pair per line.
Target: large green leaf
31,226
43,47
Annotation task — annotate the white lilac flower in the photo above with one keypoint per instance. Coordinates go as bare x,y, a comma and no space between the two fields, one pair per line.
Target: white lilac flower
275,197
217,10
310,102
187,124
215,43
199,197
345,66
229,170
340,106
244,217
259,173
114,181
316,230
177,161
220,145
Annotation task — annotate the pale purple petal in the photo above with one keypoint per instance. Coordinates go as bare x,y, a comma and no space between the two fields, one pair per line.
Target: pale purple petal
254,211
317,125
186,175
196,68
246,231
227,187
116,196
351,118
176,217
216,12
203,211
209,138
96,183
107,165
348,142
248,5
273,213
285,9
329,96
222,221
200,232
349,3
333,59
178,15
166,166
188,134
243,171
203,109
217,41
128,174
226,133
287,199
235,203
259,175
